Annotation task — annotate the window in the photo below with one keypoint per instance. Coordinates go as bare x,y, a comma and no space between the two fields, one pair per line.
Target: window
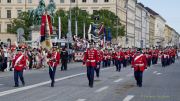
18,12
94,11
8,1
83,10
61,1
8,27
95,1
8,13
29,1
83,0
106,0
19,1
73,1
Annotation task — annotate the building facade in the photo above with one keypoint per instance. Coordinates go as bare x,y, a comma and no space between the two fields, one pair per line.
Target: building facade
159,28
142,26
138,25
167,35
151,30
130,30
145,27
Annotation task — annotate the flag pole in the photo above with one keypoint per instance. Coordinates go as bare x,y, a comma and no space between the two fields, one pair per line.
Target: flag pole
59,23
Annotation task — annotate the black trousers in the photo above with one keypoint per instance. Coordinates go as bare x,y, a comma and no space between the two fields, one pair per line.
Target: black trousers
97,69
105,63
149,62
124,63
64,65
90,75
118,65
17,75
30,64
52,72
138,77
153,60
4,64
109,62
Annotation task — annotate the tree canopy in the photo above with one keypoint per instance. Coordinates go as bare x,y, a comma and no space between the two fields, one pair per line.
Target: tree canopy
107,17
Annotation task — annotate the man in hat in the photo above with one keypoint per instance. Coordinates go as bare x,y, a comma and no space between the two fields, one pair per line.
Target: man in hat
90,58
54,58
105,58
64,59
99,59
139,64
120,58
19,63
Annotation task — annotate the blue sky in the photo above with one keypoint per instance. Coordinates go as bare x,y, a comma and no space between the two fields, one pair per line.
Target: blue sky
168,9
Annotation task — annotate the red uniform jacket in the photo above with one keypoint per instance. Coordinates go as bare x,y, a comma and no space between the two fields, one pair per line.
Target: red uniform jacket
19,62
54,59
105,55
91,57
120,55
113,55
139,62
99,56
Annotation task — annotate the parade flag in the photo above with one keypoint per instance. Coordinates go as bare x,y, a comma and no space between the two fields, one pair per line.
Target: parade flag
93,30
109,37
101,28
46,31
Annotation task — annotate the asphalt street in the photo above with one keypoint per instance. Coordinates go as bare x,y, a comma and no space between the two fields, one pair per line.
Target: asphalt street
159,84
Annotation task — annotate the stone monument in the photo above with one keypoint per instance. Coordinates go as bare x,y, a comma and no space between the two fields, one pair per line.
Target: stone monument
35,17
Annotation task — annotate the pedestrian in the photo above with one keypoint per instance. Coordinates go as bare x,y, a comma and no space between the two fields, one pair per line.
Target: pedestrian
120,58
19,63
90,58
139,64
97,69
54,58
64,59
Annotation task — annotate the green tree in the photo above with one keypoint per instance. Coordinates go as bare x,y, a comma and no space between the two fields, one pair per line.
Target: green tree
22,21
76,13
64,21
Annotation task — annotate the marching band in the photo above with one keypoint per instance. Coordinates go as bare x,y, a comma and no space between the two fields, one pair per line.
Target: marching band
95,58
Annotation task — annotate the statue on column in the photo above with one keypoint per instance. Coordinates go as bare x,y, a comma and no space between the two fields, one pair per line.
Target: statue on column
36,14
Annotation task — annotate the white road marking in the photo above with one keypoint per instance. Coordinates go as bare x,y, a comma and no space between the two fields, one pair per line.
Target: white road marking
118,80
1,84
129,75
41,84
101,89
158,73
154,72
128,98
81,100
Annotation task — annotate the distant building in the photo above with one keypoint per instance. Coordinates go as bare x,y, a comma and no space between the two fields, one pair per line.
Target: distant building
159,28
